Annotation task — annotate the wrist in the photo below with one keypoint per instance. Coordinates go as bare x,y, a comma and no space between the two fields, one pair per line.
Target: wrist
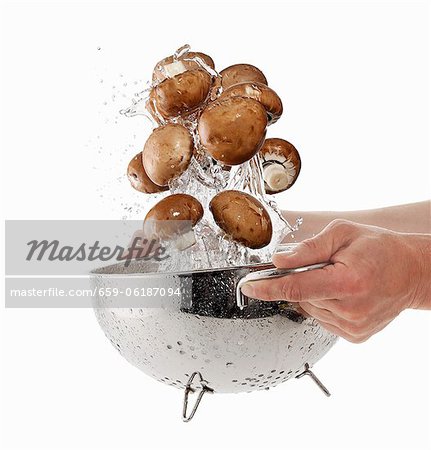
420,257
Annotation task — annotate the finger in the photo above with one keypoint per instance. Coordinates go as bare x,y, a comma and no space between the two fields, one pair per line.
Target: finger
337,307
317,284
329,317
320,248
336,330
352,332
347,309
319,313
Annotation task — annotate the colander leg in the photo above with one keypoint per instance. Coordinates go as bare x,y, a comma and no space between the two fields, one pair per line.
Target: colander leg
189,388
308,372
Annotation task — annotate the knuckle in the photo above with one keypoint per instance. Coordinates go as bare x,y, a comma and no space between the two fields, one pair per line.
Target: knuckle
354,328
341,226
311,245
337,222
358,339
355,333
353,339
291,291
262,291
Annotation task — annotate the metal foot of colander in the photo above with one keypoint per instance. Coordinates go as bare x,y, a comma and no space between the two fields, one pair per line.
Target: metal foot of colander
308,372
204,388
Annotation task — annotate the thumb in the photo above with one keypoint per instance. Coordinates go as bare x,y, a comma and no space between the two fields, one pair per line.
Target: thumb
317,249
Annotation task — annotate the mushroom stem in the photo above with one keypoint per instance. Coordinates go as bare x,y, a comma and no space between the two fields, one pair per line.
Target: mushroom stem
276,177
185,240
173,69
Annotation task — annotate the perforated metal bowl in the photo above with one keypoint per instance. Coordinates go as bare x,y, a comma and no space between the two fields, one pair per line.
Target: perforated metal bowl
201,333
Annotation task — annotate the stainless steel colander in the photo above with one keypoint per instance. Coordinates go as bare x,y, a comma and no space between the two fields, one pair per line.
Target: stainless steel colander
190,330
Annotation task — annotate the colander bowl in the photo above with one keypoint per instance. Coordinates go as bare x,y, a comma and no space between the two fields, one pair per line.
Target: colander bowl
174,325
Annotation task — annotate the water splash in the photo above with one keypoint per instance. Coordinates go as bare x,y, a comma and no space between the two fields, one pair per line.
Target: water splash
203,179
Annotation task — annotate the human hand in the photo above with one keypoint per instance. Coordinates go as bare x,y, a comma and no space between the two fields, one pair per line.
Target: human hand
375,274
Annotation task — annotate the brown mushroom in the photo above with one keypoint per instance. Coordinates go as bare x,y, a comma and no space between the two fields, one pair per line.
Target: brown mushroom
233,130
181,95
173,216
240,73
260,92
243,218
169,67
167,153
139,179
281,165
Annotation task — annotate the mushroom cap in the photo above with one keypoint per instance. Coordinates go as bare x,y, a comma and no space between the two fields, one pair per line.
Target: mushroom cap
243,218
260,92
281,164
233,130
188,61
174,215
240,73
167,153
139,179
182,94
177,207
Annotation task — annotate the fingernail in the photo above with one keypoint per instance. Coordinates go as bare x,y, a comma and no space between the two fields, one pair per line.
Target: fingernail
248,290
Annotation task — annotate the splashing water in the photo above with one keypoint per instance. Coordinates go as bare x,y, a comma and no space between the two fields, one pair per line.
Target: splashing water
203,179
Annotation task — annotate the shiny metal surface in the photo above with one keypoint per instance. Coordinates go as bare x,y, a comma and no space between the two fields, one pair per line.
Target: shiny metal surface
308,372
203,389
205,331
268,274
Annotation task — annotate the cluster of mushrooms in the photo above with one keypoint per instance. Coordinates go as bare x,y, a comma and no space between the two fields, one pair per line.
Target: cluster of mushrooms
223,116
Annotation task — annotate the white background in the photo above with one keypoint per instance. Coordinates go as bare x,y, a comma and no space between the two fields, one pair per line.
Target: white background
354,80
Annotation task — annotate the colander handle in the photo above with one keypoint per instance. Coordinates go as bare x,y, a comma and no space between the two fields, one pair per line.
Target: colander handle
268,274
